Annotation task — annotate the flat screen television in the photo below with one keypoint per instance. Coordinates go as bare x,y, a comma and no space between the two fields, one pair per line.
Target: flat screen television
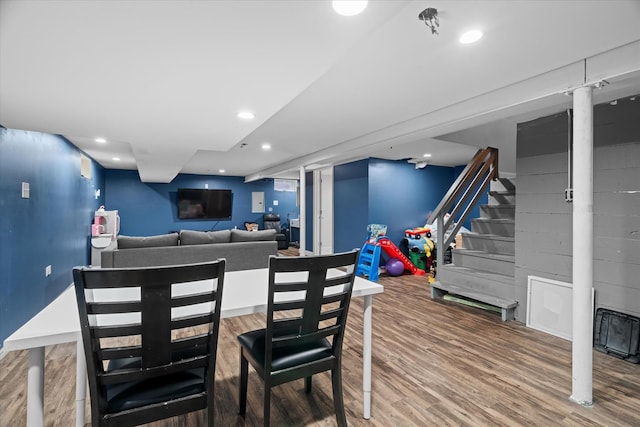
196,203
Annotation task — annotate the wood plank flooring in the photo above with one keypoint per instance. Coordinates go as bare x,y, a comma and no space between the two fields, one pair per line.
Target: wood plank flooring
434,364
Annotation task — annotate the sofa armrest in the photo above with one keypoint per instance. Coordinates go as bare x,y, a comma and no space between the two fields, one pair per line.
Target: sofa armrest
106,259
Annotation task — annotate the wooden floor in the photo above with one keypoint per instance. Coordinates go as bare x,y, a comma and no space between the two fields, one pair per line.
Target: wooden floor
434,364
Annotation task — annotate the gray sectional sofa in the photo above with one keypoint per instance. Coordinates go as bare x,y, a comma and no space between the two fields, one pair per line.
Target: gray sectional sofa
243,250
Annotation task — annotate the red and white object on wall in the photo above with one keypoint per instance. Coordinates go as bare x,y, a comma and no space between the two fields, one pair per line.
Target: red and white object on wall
104,233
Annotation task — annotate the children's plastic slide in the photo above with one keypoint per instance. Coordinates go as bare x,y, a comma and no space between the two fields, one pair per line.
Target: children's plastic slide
392,250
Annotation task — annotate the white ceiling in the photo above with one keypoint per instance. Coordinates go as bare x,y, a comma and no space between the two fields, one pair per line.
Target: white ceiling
162,81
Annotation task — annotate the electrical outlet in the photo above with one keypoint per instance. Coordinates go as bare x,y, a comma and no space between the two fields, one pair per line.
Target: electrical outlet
568,195
47,271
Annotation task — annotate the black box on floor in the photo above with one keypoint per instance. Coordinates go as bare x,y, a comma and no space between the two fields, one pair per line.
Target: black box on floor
617,334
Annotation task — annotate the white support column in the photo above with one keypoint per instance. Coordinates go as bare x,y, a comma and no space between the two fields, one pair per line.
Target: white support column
582,352
35,388
81,382
317,212
303,212
366,355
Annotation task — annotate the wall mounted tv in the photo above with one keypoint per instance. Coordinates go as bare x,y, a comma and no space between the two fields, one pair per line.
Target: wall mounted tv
196,203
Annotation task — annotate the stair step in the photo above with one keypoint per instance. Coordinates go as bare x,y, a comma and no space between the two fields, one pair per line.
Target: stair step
507,184
499,227
482,281
507,197
501,211
489,243
485,261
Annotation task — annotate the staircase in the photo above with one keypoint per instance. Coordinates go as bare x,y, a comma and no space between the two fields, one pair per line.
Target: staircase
483,270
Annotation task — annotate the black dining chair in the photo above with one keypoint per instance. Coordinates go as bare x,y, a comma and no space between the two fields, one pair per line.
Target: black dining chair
306,316
150,337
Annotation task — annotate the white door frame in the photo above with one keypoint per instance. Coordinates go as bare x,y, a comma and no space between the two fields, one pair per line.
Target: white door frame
323,211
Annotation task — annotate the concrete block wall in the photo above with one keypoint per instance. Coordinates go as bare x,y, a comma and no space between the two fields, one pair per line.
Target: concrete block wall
543,228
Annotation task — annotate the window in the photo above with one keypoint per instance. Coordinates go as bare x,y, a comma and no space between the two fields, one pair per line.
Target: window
284,185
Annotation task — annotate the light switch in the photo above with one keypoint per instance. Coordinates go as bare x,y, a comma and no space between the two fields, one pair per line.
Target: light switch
25,190
275,203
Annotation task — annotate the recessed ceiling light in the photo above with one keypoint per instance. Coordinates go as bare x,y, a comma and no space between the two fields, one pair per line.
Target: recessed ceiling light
470,36
221,170
115,159
426,155
246,115
100,140
349,7
266,146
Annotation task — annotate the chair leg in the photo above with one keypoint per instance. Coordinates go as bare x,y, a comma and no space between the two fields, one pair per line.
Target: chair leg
210,415
244,374
338,402
307,384
210,401
267,405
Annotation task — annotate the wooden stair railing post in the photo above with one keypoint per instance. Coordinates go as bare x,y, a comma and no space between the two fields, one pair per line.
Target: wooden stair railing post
439,239
478,173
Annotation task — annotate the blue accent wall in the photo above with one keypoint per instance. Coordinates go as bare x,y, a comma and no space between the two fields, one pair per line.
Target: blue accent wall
51,227
350,205
147,209
376,191
402,196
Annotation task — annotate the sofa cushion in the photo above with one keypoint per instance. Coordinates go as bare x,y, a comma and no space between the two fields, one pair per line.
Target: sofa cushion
252,236
192,237
130,242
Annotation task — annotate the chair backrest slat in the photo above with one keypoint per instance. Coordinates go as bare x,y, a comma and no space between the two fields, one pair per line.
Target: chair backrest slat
116,331
119,353
133,374
193,299
113,308
289,305
328,299
331,314
336,281
189,321
290,286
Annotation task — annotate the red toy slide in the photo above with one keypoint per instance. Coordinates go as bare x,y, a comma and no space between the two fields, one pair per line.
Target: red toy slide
392,250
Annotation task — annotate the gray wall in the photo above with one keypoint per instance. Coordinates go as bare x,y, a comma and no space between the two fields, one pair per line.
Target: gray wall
544,220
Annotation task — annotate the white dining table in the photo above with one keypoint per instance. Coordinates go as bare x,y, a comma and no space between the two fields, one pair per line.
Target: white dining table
245,292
